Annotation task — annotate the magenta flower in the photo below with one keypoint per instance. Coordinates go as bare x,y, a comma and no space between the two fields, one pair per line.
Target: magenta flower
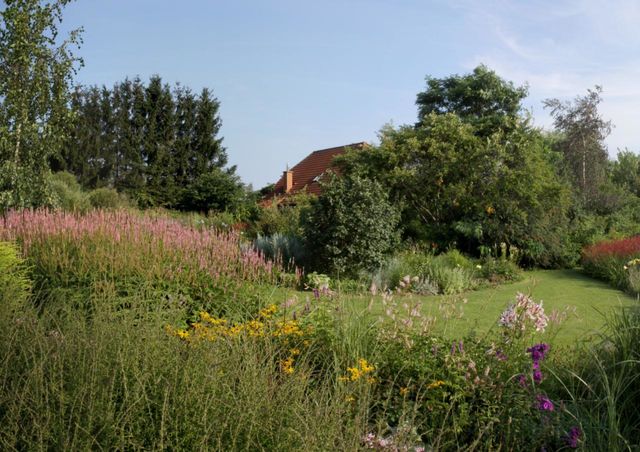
544,403
537,376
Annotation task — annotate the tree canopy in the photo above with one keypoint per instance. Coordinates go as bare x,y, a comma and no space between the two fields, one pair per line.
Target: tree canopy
160,145
36,69
473,173
481,98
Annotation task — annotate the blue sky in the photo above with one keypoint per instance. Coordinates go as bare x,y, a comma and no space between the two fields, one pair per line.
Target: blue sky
294,76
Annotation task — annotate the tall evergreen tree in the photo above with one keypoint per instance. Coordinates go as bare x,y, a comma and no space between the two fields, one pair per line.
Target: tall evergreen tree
208,147
159,145
158,142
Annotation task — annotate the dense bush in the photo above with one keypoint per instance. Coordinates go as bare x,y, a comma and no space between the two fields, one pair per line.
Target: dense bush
107,198
69,196
14,282
350,227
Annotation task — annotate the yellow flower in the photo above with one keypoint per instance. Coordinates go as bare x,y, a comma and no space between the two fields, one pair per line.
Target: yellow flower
435,384
365,366
268,311
404,391
286,365
182,334
350,399
355,373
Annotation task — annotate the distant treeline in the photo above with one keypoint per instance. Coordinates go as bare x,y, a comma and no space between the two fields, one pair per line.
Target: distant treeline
156,143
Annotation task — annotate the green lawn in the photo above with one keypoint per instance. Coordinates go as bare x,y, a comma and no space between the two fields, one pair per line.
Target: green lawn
585,300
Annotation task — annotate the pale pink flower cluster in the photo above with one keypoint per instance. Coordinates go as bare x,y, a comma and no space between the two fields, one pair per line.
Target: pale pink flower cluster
375,442
524,311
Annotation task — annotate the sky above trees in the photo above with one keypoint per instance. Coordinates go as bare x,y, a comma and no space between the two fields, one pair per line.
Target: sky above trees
293,76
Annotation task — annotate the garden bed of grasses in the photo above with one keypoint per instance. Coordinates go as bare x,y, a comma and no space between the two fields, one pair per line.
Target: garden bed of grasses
113,366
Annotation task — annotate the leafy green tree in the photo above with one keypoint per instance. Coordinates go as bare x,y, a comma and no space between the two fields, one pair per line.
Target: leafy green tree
216,190
584,131
350,227
625,171
482,99
473,174
36,70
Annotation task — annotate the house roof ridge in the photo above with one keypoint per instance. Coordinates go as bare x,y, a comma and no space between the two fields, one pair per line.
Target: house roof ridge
359,143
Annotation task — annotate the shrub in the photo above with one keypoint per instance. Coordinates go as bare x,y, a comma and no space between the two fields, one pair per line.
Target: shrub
69,196
448,273
107,198
218,190
499,270
283,218
14,282
350,227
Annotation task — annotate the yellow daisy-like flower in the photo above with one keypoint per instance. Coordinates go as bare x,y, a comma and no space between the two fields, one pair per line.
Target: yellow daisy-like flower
435,384
404,391
365,366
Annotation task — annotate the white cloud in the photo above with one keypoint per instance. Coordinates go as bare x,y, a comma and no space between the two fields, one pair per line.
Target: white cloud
561,49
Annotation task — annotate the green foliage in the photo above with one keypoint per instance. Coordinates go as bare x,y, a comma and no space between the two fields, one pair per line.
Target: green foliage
14,281
68,194
603,386
350,227
216,190
283,218
499,270
449,273
462,191
107,198
35,76
158,145
582,143
481,98
625,171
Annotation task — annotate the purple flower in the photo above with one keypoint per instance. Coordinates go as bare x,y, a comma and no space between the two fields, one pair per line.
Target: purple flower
544,404
571,438
501,356
460,347
538,352
453,348
537,376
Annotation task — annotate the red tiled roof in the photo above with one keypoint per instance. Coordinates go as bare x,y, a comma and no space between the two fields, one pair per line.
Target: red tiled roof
307,173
